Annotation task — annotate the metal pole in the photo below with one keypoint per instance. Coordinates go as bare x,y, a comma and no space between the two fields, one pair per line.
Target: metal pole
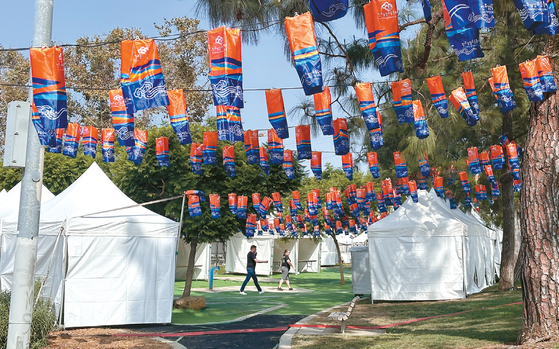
21,304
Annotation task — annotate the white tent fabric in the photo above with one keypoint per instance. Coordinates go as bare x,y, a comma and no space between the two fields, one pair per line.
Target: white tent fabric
309,250
424,251
201,263
328,252
360,270
111,268
9,207
361,239
238,246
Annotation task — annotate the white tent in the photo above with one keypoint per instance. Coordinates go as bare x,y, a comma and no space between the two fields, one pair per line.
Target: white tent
309,255
9,207
424,251
201,263
280,245
328,252
111,268
238,246
360,270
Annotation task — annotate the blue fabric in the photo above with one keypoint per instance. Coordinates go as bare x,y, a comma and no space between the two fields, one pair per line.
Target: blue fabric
377,140
426,5
505,100
251,273
328,10
483,13
421,129
388,57
532,12
465,43
228,89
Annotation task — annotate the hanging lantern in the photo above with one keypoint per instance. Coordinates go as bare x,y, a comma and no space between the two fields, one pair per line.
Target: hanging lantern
473,160
275,148
381,18
288,164
484,158
242,202
140,145
210,148
304,51
403,106
341,136
471,93
420,124
497,157
481,193
225,62
250,227
49,91
89,140
72,140
194,205
265,206
347,164
196,155
323,111
233,203
328,10
501,89
547,80
229,160
276,112
464,181
413,191
316,164
215,205
277,202
424,165
376,138
489,173
364,92
531,80
438,185
459,100
372,159
264,165
401,166
178,116
438,96
141,77
60,140
462,36
303,138
108,144
162,152
123,122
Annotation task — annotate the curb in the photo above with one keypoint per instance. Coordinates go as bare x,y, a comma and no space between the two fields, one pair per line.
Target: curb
287,337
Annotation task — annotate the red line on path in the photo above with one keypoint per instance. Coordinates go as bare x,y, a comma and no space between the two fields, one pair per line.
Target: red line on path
201,333
403,322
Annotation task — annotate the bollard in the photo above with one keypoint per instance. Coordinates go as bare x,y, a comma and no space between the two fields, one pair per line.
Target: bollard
211,277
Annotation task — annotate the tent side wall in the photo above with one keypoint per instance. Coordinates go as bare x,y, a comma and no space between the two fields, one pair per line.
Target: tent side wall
360,270
119,280
416,268
201,263
309,250
279,246
238,247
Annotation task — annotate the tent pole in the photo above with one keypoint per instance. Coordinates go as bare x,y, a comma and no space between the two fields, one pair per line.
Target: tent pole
180,227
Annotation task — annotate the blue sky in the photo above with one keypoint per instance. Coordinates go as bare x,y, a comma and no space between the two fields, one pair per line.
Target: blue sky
264,65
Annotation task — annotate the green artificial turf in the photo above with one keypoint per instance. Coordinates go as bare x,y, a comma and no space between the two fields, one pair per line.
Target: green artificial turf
227,306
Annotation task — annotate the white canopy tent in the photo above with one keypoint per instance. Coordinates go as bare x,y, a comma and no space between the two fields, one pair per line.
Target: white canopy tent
309,256
202,262
238,246
9,207
328,252
110,268
424,251
360,270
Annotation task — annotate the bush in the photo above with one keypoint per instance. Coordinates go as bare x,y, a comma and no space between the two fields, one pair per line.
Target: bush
42,323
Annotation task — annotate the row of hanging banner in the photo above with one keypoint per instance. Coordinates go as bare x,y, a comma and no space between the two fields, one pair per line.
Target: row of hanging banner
50,112
359,199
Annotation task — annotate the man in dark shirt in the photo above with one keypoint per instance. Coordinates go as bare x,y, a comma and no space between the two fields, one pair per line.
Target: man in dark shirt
251,272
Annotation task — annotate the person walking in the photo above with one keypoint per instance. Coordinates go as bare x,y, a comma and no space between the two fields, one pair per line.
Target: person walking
251,270
285,266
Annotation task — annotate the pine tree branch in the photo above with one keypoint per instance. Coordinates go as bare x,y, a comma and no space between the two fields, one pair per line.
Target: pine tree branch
429,39
348,61
331,55
405,25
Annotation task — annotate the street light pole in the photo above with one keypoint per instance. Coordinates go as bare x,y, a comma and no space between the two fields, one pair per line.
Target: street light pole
21,304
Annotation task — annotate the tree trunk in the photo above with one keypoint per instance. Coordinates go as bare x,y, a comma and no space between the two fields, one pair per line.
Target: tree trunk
508,254
340,261
540,224
190,268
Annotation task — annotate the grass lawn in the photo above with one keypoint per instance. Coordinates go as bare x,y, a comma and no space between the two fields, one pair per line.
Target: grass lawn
487,328
227,306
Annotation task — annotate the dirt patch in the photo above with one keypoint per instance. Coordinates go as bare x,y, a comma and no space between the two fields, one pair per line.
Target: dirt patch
102,338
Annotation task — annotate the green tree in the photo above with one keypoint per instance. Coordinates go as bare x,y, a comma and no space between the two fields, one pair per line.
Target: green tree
148,182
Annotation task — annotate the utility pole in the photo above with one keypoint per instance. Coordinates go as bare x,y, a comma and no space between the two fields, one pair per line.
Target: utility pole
21,304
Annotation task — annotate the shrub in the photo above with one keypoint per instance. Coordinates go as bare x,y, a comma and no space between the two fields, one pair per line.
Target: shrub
42,323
